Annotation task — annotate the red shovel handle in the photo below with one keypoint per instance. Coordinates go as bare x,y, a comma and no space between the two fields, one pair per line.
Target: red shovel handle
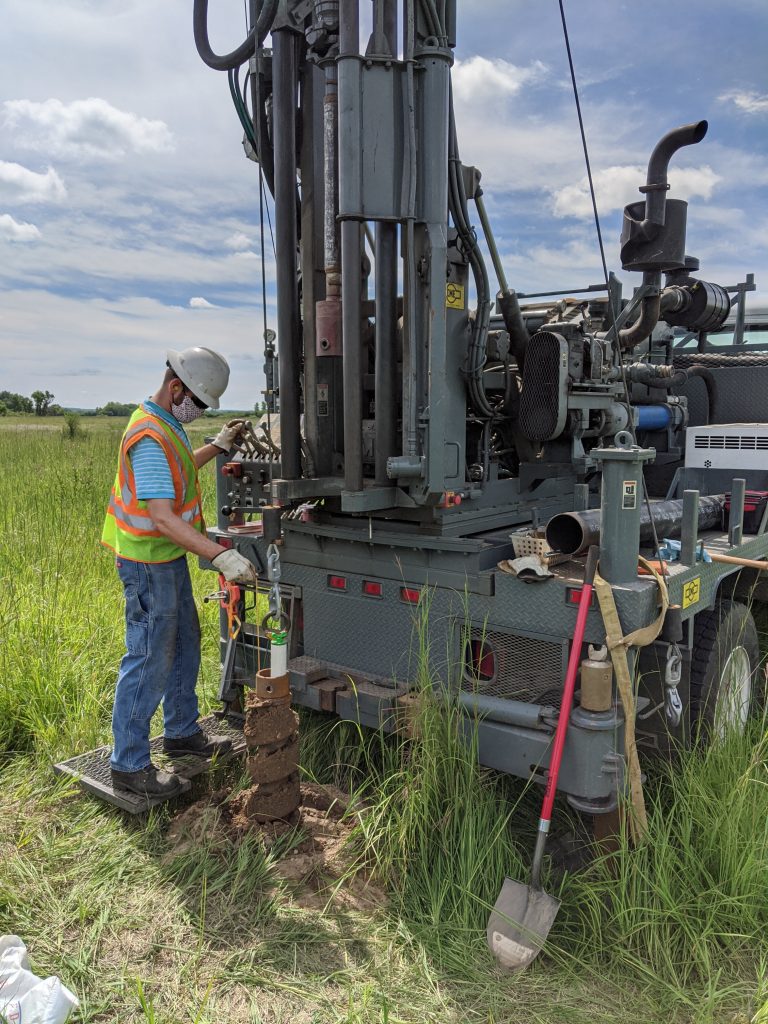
570,685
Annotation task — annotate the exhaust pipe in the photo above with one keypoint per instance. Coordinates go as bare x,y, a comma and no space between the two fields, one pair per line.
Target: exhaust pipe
653,235
657,182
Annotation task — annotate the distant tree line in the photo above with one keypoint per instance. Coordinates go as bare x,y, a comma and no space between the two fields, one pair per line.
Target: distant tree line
15,403
40,403
115,409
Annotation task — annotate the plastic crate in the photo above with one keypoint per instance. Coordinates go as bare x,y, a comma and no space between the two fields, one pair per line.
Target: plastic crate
525,544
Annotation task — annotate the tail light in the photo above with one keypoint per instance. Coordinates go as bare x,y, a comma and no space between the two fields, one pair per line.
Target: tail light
480,660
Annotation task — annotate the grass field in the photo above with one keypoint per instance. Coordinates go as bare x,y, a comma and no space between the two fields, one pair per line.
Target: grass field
674,931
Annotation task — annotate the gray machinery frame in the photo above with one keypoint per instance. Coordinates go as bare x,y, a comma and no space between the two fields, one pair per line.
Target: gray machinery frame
416,433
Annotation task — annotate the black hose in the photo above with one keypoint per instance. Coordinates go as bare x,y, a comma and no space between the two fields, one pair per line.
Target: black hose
715,359
515,325
227,61
711,385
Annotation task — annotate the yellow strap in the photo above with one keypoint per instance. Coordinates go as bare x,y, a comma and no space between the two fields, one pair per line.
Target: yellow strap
618,645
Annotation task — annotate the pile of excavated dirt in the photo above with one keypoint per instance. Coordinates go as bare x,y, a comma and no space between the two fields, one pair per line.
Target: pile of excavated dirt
323,824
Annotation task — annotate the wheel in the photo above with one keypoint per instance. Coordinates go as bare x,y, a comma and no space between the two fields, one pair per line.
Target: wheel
724,671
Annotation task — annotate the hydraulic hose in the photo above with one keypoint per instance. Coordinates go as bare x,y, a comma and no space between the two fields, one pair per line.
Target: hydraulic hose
457,202
711,385
227,61
721,359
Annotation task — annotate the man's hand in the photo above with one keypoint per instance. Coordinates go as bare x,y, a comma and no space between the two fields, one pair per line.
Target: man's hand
228,434
235,568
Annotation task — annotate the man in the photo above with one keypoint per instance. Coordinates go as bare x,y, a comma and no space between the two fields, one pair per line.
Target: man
154,518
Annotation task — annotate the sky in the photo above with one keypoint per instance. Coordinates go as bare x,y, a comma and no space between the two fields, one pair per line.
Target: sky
129,214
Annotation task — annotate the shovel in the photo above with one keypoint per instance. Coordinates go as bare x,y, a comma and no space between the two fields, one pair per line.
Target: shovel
523,914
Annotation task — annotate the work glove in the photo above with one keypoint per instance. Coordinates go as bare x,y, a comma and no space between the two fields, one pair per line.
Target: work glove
235,568
228,434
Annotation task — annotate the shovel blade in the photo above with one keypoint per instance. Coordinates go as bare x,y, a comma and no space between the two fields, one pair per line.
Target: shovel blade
519,924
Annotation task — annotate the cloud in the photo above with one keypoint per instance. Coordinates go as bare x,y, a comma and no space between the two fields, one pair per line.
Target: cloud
617,186
198,302
17,231
482,79
122,343
87,129
238,241
748,101
20,184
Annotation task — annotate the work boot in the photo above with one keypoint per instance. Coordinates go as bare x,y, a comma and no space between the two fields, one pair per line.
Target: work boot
149,781
199,744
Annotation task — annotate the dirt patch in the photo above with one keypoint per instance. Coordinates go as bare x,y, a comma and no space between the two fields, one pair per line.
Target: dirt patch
318,863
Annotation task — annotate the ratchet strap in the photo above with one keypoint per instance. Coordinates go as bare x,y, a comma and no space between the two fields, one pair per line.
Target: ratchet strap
618,645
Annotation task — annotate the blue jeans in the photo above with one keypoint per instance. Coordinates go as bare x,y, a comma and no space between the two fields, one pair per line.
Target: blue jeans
162,659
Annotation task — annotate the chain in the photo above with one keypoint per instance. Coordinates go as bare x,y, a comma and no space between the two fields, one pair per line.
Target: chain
276,618
673,672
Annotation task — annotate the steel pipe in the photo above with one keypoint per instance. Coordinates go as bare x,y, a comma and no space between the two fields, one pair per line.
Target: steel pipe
385,24
284,109
573,532
351,273
508,712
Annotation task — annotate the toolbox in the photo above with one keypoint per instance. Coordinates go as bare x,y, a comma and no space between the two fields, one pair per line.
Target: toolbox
754,509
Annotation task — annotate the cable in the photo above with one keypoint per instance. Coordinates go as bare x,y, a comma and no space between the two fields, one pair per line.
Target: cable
233,78
619,356
269,221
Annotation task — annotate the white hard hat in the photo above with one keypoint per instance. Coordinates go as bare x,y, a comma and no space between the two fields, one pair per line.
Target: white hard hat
204,372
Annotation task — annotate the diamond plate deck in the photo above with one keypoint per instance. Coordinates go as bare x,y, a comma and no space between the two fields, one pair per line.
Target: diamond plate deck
92,769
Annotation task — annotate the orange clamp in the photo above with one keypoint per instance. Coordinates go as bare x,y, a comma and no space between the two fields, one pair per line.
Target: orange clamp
229,603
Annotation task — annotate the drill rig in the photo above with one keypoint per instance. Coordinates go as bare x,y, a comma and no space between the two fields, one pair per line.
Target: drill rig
423,428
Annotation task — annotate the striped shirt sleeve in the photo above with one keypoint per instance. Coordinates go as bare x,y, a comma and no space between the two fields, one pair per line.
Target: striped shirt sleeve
151,470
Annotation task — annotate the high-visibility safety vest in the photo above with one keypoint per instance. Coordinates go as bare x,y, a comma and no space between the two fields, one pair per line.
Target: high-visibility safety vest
128,528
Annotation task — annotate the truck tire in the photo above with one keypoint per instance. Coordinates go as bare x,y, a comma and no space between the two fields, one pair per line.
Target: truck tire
724,672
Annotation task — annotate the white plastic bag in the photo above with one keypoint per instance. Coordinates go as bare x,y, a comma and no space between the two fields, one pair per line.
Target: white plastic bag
25,998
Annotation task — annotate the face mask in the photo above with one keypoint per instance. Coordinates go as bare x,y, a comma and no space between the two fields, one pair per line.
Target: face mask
187,411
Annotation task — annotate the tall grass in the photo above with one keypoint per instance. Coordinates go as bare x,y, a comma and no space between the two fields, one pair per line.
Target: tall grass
684,914
687,910
60,599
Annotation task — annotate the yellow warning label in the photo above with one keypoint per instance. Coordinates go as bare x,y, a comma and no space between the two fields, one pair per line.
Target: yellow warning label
691,592
454,296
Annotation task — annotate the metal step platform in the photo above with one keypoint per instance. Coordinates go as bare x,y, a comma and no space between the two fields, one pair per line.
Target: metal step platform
93,773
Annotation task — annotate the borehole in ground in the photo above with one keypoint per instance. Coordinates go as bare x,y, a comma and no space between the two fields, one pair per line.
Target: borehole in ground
319,863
